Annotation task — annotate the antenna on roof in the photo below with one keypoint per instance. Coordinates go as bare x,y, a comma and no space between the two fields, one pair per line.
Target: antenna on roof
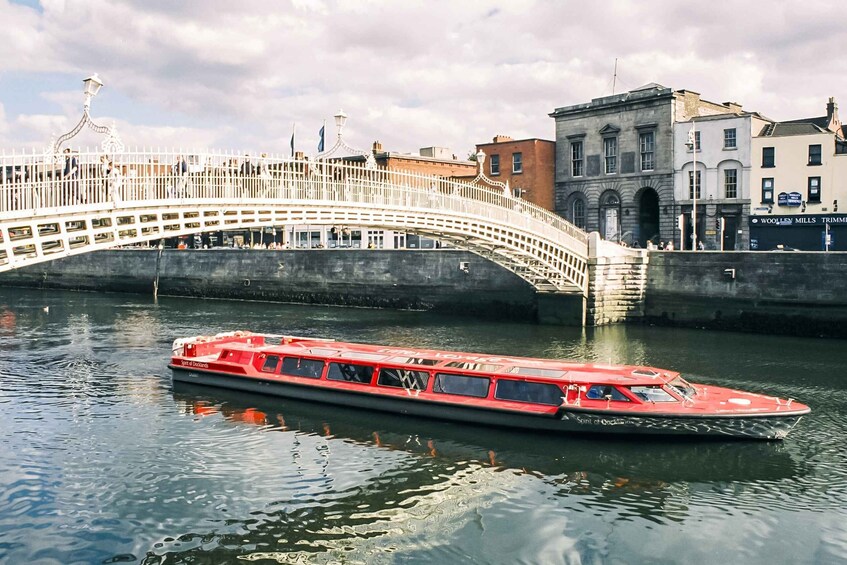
615,76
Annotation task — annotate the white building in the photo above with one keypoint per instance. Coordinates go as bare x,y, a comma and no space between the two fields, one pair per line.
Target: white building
724,162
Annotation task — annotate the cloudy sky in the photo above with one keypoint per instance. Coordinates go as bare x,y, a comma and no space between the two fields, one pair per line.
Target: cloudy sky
238,74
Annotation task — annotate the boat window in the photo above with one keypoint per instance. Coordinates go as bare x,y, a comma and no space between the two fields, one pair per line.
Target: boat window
462,385
349,372
536,372
652,394
522,391
414,361
601,392
683,387
473,366
362,356
322,352
270,364
645,373
297,367
403,378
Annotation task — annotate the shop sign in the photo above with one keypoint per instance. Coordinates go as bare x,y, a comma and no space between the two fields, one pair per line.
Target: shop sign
789,199
819,220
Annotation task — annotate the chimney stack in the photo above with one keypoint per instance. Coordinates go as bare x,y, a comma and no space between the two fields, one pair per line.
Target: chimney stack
377,147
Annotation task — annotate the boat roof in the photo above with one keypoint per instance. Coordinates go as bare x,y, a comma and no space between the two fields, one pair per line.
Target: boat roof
474,362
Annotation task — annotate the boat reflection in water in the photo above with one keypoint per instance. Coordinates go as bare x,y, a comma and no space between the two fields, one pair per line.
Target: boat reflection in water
383,479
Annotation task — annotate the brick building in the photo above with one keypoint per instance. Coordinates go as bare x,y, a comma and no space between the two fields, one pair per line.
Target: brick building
528,165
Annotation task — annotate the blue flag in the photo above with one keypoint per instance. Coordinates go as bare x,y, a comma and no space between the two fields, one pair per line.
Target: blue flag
321,142
293,131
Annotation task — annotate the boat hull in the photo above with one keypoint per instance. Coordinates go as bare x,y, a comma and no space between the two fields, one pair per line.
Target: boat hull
567,419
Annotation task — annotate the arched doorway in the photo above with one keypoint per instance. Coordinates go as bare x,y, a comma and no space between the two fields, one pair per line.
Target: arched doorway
610,216
648,217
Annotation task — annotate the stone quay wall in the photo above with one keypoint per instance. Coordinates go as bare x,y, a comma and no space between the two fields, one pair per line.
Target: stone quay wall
616,283
788,293
408,279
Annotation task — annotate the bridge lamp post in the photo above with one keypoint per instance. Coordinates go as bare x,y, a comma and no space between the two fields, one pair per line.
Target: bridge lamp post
91,86
340,120
112,142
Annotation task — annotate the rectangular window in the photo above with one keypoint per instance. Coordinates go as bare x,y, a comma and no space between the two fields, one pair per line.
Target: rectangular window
647,143
517,162
610,153
691,184
767,157
349,372
730,183
495,165
729,138
522,391
814,154
461,385
696,141
576,158
767,191
814,189
297,367
269,366
403,378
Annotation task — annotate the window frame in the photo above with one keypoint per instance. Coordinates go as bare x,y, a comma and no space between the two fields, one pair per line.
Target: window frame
809,197
577,158
691,185
610,155
648,153
320,362
517,162
767,191
330,375
727,183
425,374
578,221
527,384
768,157
730,138
494,165
438,388
815,157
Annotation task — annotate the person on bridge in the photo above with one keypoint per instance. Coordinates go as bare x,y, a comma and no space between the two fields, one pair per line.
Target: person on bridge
70,174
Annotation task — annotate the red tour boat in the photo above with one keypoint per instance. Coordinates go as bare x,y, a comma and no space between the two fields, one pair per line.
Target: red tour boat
521,392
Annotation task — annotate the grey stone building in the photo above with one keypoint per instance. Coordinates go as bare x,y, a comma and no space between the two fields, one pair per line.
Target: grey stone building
614,161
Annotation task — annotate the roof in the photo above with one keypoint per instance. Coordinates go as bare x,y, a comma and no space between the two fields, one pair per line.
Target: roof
785,129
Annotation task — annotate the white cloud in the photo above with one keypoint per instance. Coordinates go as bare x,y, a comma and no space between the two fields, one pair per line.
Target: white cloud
411,74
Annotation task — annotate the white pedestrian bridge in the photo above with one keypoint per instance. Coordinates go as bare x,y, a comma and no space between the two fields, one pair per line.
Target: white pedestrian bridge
56,205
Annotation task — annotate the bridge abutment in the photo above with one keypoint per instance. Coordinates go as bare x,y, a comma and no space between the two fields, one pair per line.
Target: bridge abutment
617,279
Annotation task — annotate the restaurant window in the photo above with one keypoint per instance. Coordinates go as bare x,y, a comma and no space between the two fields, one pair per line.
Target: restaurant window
576,158
647,146
767,191
403,378
768,157
517,162
269,366
691,184
729,140
610,154
494,163
814,189
522,391
605,392
349,372
298,367
814,155
461,385
730,183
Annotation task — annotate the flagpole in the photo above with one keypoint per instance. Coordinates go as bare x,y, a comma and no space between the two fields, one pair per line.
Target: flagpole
293,133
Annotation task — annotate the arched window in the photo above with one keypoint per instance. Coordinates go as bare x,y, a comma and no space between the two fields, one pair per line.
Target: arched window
578,213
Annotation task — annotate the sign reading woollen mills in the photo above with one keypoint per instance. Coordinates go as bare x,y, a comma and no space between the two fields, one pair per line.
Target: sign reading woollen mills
819,220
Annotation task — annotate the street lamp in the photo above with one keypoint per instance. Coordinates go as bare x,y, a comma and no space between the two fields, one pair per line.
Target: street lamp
91,86
340,120
692,144
112,143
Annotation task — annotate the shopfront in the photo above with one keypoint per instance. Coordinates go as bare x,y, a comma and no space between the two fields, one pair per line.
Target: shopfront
804,232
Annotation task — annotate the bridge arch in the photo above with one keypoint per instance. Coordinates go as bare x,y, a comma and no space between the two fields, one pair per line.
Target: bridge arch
152,195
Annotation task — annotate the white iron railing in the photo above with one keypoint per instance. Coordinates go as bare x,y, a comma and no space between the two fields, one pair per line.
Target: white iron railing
84,184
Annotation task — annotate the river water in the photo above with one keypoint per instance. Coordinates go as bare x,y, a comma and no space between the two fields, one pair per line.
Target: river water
104,460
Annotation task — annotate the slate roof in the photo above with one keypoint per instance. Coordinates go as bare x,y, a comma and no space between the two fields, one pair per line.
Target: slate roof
782,129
